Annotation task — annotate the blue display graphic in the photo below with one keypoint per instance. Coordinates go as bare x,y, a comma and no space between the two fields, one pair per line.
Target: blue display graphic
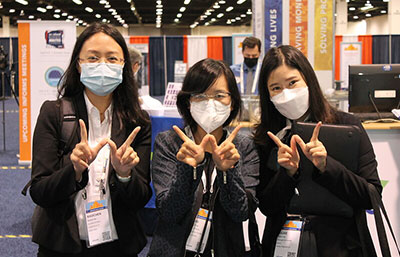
273,23
53,75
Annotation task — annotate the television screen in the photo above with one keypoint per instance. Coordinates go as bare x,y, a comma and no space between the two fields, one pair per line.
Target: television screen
371,84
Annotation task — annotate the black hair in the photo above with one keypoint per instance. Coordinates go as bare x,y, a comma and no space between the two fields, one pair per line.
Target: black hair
198,79
251,42
125,96
271,119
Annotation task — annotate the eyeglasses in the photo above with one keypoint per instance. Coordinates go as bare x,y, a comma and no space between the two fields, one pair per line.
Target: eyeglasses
109,59
220,96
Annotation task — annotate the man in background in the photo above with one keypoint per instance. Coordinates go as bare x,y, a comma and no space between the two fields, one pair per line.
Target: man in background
247,72
136,60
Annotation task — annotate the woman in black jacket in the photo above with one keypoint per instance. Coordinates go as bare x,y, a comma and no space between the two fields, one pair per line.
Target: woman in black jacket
289,91
99,169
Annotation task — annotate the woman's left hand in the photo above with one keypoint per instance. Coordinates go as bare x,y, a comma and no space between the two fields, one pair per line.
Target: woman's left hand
225,155
124,158
314,150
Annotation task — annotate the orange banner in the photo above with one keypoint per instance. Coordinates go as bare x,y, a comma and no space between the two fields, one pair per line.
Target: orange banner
298,25
24,92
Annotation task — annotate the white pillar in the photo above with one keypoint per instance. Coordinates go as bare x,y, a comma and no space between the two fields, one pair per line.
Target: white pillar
6,25
394,16
341,17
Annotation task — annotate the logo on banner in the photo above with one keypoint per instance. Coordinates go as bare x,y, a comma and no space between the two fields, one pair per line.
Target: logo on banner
53,76
54,38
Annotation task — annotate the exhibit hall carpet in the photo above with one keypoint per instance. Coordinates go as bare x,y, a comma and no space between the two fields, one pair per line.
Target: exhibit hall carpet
15,209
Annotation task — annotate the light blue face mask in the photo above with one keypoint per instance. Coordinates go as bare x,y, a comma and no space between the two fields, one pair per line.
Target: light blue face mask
101,78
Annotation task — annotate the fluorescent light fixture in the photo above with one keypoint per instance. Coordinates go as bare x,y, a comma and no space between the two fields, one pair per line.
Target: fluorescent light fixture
21,13
179,15
111,10
102,2
355,17
158,25
186,2
49,7
383,11
367,15
56,15
220,15
159,6
24,2
230,8
12,10
386,1
31,17
182,9
222,2
64,14
213,19
107,6
78,2
365,8
57,10
243,15
176,20
249,12
70,17
207,23
128,1
228,22
98,16
84,24
88,9
76,19
207,13
216,6
40,9
352,8
238,18
240,1
159,2
104,20
125,26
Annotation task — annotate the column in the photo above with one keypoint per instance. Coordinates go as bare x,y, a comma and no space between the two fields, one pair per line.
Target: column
341,17
6,25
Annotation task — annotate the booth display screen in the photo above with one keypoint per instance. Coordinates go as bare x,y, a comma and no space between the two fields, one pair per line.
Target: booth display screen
371,84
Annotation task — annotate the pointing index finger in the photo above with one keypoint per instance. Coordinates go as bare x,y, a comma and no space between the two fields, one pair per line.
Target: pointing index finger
83,131
181,134
316,132
234,133
132,136
274,138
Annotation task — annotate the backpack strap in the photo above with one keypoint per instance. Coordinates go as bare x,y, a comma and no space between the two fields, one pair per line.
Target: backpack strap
378,206
69,123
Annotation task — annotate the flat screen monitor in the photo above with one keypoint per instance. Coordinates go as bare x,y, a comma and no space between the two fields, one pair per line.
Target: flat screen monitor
371,84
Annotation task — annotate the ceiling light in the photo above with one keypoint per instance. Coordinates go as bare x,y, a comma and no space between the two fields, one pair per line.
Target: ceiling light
49,7
176,20
207,23
24,2
133,8
64,14
158,25
220,15
84,24
70,17
40,9
216,6
222,2
249,12
12,10
238,18
21,13
88,9
367,15
365,8
78,2
182,9
355,17
233,20
213,19
192,26
76,19
104,20
129,1
386,1
31,17
57,10
228,22
352,8
179,15
107,6
240,1
125,26
230,8
102,1
80,21
243,15
383,11
211,10
56,15
111,10
98,16
207,13
159,6
186,2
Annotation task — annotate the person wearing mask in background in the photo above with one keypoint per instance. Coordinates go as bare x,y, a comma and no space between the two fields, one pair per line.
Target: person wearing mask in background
87,199
247,72
289,91
204,174
136,60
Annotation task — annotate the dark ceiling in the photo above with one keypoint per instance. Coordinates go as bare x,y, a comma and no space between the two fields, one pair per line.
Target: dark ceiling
144,11
133,11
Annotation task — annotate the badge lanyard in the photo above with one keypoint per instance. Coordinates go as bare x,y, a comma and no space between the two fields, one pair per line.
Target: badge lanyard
255,80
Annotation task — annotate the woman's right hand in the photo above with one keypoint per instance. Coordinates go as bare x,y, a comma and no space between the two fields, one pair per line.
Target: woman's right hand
83,155
288,157
190,152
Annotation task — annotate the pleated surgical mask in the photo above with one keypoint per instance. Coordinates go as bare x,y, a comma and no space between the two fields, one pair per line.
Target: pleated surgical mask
101,78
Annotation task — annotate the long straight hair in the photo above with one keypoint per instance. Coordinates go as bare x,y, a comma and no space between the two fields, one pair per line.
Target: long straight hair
271,119
125,96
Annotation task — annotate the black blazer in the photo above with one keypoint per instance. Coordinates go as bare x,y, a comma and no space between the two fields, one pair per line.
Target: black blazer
276,188
53,189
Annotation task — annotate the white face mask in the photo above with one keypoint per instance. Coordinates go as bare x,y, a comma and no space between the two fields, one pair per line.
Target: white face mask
210,115
292,103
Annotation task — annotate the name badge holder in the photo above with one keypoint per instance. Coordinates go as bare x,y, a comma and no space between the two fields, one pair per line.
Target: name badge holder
96,211
288,241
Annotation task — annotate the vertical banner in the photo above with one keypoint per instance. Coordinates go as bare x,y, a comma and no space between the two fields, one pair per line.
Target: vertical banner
323,35
258,21
298,25
237,40
273,23
45,48
350,53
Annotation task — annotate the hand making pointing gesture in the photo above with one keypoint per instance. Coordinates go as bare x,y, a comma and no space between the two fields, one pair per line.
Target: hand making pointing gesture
314,150
124,158
83,154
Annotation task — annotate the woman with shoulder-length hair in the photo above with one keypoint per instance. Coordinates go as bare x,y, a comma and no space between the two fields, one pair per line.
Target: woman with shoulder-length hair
204,174
289,91
89,184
